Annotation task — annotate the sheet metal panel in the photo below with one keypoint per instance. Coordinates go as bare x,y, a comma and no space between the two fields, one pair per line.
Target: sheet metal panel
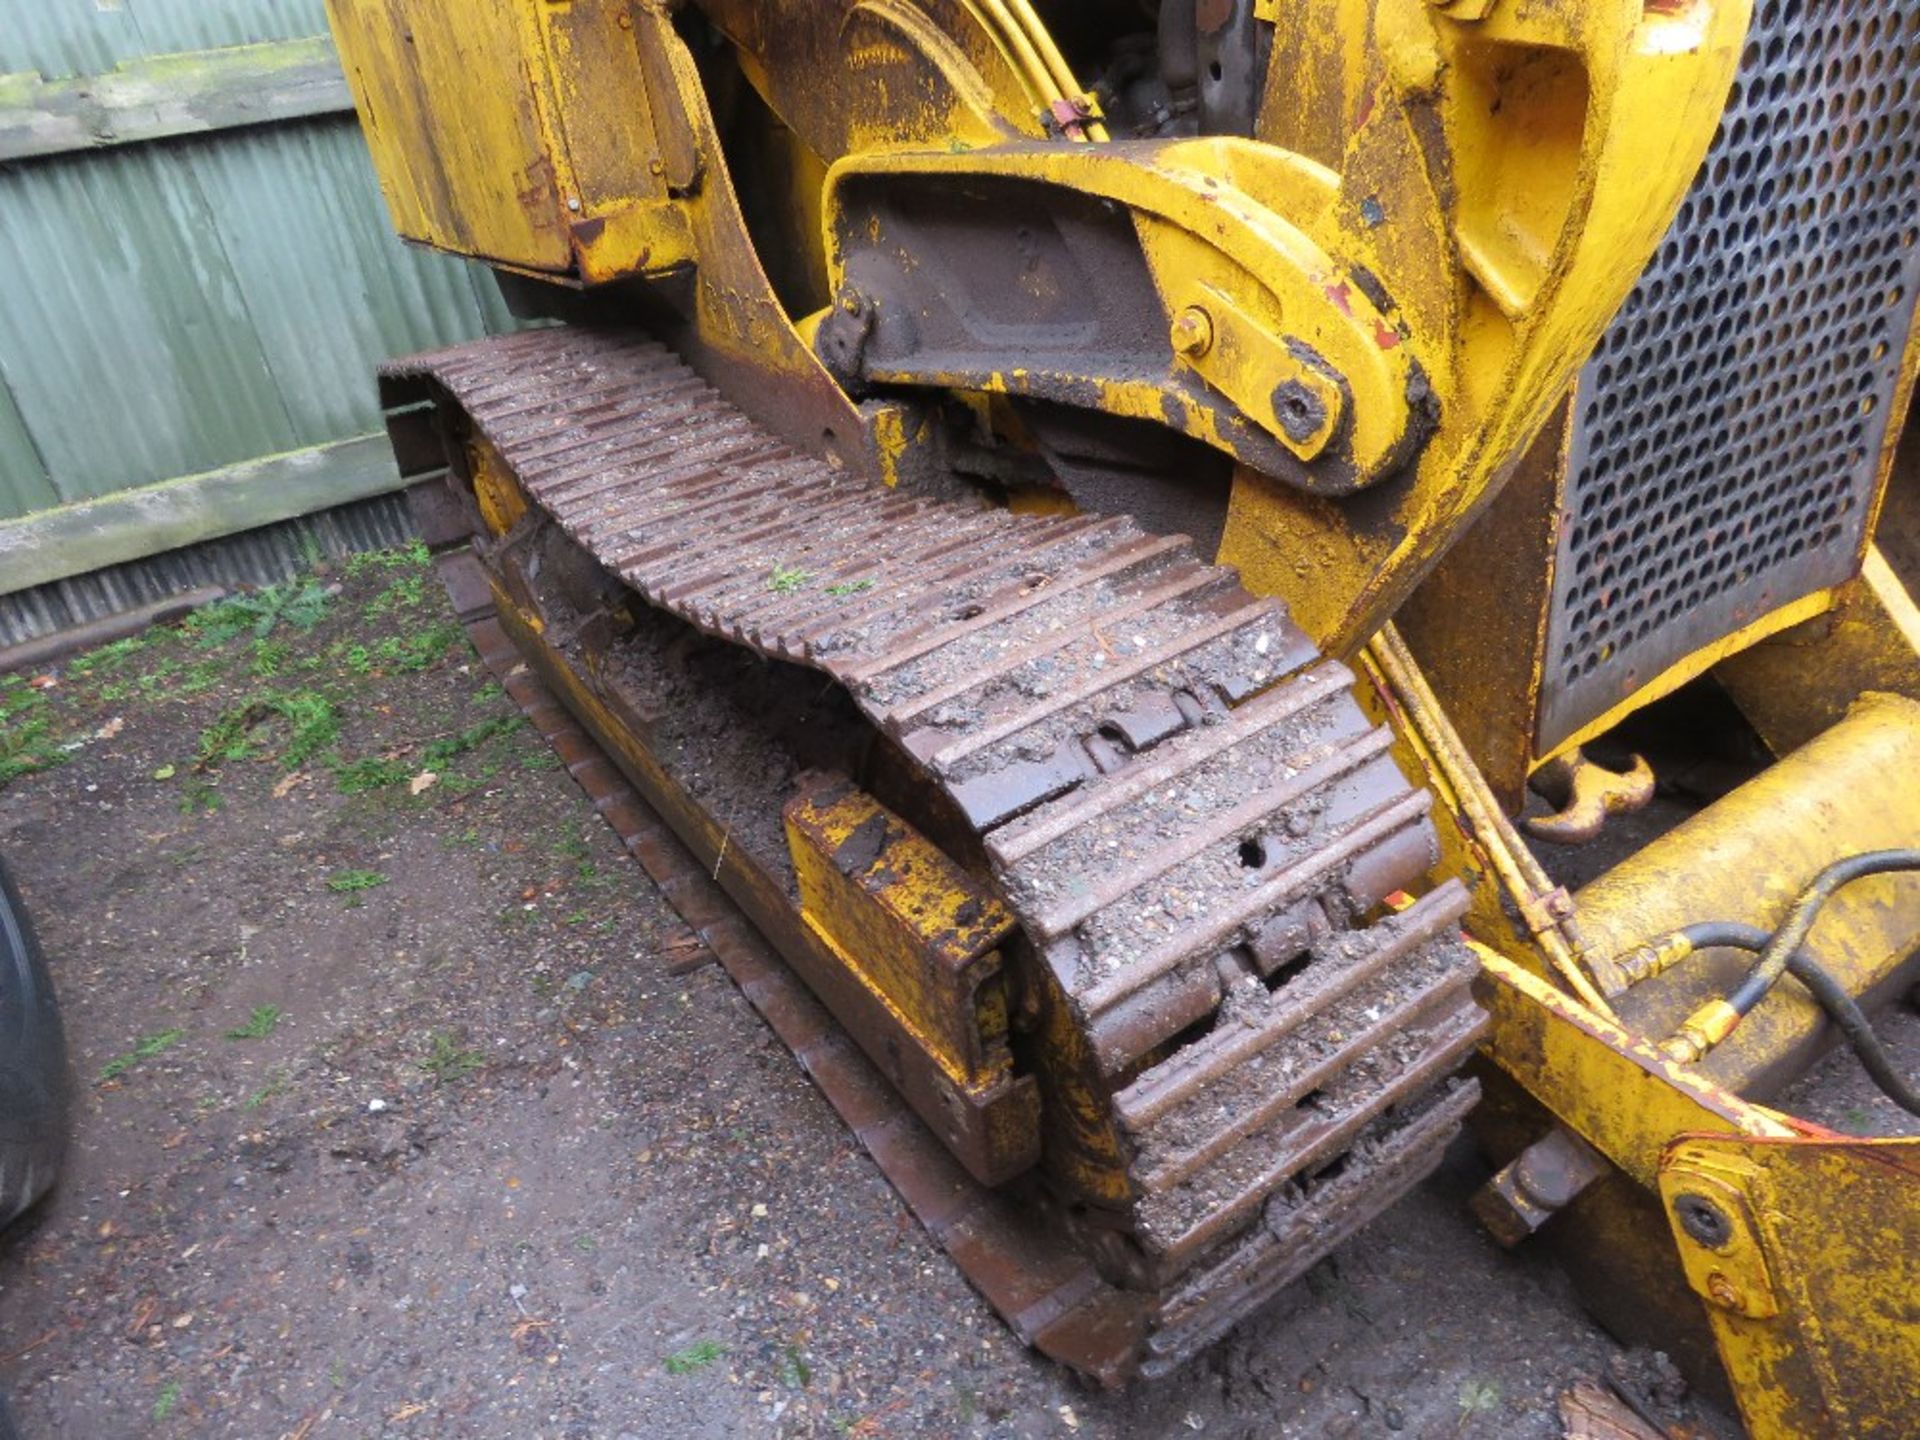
24,484
86,37
232,293
1729,428
178,306
124,334
170,25
331,291
66,37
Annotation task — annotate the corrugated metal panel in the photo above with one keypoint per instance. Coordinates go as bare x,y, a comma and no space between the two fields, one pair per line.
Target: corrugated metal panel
67,37
265,556
170,25
124,333
332,293
181,306
24,484
86,37
176,307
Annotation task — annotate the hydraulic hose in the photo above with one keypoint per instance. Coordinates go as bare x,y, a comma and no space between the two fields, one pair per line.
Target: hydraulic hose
1718,1018
1793,933
1847,1016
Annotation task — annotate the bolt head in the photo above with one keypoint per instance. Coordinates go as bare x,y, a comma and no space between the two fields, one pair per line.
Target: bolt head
1192,332
1703,1220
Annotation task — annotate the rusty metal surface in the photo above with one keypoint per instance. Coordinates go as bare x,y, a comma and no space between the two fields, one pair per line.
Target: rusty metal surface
1178,796
1729,428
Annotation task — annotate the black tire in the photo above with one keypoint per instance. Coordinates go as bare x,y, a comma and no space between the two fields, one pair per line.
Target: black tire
33,1064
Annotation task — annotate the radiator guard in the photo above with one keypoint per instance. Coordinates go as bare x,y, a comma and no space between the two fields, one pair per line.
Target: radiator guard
1729,430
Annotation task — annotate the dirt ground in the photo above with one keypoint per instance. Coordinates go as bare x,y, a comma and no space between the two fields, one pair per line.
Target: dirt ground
391,1120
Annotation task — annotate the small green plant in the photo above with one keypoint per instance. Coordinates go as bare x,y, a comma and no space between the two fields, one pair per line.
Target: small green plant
301,604
28,747
406,654
168,1398
110,656
148,1046
355,777
414,555
270,657
276,1086
447,1060
259,1024
786,579
410,591
352,882
1478,1397
358,776
312,722
198,798
794,1369
695,1357
850,587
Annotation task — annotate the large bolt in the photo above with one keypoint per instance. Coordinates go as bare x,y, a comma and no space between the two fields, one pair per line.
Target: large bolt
1301,413
1703,1220
1192,332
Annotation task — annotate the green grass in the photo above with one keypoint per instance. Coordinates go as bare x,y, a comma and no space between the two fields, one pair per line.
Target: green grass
276,1086
447,1060
312,721
408,592
794,1369
695,1357
197,798
169,1397
352,882
301,604
850,587
784,580
110,656
354,777
421,650
28,747
373,773
412,556
270,658
259,1024
149,1046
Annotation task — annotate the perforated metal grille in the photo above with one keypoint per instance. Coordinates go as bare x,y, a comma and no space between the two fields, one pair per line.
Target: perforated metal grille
1728,429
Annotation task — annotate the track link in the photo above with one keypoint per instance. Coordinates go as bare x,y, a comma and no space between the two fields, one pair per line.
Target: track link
1179,798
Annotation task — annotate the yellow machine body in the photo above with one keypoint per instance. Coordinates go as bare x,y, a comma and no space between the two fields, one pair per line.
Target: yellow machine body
1363,304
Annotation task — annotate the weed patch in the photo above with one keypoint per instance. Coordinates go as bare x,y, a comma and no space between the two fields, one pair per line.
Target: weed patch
149,1046
695,1357
352,882
448,1060
28,747
301,604
259,1024
312,721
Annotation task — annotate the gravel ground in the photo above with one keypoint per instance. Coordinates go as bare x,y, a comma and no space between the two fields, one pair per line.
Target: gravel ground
393,1122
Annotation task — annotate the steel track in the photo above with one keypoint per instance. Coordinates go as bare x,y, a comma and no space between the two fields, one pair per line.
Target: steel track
1181,800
